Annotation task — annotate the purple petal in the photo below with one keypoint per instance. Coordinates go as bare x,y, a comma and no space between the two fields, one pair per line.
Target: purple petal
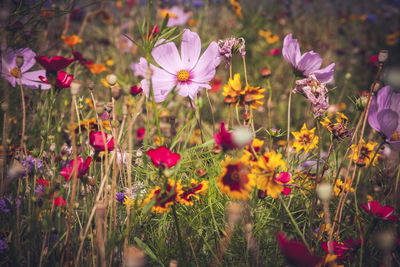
388,119
204,70
394,144
167,56
384,96
291,50
31,80
309,62
326,74
372,116
29,58
190,49
181,17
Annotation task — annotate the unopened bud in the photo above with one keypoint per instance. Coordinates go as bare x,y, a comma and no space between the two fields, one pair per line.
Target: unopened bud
265,72
116,91
112,79
383,56
324,191
75,87
173,263
19,61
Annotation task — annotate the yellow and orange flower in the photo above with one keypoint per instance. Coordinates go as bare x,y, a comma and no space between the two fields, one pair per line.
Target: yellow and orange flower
235,180
237,9
269,37
71,40
265,170
341,186
305,139
163,199
88,125
192,191
232,90
96,68
366,152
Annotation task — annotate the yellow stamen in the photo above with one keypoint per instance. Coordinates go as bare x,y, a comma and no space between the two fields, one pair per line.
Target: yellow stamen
395,136
183,75
16,72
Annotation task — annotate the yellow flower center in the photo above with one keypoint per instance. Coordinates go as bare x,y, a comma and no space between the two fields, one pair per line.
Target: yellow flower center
183,75
395,136
16,72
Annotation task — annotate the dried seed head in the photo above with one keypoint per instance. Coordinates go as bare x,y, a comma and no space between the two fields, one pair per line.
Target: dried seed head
75,87
116,91
112,79
91,85
324,191
19,61
383,56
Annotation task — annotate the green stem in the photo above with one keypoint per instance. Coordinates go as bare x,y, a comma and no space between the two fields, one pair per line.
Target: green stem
178,231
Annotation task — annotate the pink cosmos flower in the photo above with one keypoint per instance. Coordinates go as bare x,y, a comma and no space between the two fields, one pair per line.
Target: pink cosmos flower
308,63
81,168
379,212
177,16
188,72
11,72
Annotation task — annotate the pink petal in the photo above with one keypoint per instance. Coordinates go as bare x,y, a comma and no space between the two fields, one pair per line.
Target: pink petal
385,211
29,58
372,116
31,80
309,62
284,177
190,49
374,206
167,56
326,74
291,50
204,70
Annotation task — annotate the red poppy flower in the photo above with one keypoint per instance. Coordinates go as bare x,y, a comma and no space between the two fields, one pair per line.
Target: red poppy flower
140,133
224,138
343,249
97,142
43,182
274,51
82,167
63,79
379,212
58,201
296,253
135,90
163,158
54,63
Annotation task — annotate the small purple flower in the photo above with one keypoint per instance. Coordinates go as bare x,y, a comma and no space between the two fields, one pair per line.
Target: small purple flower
384,115
39,189
5,203
227,47
120,197
31,163
11,72
315,92
3,245
308,63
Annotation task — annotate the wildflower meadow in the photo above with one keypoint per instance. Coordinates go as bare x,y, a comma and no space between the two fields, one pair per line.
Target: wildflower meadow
200,133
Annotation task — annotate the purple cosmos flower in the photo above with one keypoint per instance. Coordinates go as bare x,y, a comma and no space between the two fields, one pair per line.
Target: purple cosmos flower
188,72
384,115
315,92
3,245
177,16
308,63
11,72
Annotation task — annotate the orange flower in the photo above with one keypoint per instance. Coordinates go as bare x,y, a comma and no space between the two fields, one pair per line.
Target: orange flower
192,191
96,68
71,40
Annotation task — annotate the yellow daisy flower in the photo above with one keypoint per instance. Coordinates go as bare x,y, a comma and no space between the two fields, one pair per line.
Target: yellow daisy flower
193,191
232,90
305,139
366,153
163,199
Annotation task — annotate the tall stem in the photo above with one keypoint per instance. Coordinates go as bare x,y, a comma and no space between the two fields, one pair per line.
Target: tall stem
178,231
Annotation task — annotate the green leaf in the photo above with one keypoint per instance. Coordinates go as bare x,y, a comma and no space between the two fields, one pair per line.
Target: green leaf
147,250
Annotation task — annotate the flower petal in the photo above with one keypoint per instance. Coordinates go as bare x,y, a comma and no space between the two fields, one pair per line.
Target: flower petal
326,74
291,50
384,96
31,80
204,70
167,56
389,120
29,58
372,116
190,49
309,62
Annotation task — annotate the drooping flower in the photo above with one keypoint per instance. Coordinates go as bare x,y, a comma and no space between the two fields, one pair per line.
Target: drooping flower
71,40
384,115
63,79
163,158
378,212
187,72
235,180
315,92
97,142
176,16
224,138
164,198
228,47
308,63
81,59
55,63
366,154
192,191
296,253
11,72
81,168
305,139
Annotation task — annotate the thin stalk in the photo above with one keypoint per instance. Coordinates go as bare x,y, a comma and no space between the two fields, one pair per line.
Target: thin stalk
178,231
288,120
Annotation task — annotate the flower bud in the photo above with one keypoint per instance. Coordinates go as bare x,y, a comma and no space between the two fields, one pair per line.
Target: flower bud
265,72
112,79
19,61
383,56
116,91
75,87
324,191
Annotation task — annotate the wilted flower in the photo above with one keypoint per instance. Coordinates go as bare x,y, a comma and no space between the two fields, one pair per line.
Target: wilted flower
187,72
11,72
163,158
97,142
384,115
308,63
229,46
81,168
379,212
315,92
338,129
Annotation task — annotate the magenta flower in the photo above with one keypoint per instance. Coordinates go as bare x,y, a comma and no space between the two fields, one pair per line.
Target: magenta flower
379,212
384,115
308,63
177,16
11,72
54,63
63,79
344,249
224,139
81,168
188,72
